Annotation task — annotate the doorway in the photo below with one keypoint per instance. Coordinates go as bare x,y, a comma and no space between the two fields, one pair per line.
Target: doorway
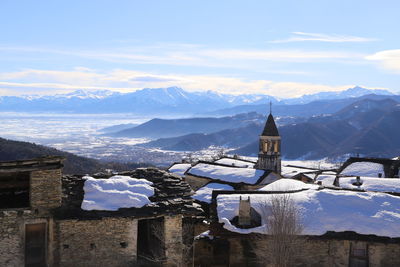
35,245
150,242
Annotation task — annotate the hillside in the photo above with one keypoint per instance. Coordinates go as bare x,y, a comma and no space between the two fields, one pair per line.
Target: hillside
16,150
369,127
162,128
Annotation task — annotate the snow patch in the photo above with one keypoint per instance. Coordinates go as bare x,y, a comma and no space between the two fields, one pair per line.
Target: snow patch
116,192
204,193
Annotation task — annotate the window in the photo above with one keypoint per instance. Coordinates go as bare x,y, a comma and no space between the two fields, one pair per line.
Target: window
14,190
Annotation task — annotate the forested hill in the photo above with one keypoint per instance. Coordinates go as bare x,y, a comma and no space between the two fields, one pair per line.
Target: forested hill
16,150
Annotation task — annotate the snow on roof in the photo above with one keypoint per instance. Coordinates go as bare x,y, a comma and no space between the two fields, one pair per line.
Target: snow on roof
292,171
227,174
312,164
204,193
179,168
116,192
372,184
370,169
326,179
235,162
287,185
325,210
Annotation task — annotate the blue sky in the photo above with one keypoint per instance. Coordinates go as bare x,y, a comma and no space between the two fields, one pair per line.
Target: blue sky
281,48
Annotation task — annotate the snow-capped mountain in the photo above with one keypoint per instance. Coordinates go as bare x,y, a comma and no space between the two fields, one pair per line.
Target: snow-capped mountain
156,101
356,91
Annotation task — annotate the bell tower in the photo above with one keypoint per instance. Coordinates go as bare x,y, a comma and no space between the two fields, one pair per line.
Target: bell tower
269,155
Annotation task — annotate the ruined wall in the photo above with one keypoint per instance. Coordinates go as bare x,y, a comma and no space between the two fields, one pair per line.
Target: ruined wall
12,236
384,254
102,242
45,191
313,252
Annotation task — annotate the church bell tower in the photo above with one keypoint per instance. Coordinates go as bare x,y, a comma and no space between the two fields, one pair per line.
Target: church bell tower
269,156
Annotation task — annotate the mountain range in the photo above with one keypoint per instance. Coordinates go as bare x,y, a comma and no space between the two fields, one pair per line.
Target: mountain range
367,126
156,101
162,128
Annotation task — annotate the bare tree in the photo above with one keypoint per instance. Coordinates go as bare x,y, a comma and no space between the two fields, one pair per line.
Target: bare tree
282,242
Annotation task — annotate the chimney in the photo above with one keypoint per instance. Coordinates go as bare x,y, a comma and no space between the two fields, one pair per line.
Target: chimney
244,212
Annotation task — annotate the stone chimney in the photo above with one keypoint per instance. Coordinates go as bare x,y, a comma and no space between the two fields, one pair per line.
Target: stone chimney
244,212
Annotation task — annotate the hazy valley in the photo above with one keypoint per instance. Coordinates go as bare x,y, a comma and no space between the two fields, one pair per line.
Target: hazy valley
312,127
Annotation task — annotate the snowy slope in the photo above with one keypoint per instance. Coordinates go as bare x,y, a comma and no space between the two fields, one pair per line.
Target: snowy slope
116,192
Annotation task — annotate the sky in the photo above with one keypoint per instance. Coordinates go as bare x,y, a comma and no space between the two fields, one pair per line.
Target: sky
280,48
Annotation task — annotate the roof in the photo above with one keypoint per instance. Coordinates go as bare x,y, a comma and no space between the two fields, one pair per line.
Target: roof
171,196
322,209
390,167
270,128
179,168
43,163
227,173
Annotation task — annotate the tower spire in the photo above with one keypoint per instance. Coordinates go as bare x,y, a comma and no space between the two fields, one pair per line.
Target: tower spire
270,107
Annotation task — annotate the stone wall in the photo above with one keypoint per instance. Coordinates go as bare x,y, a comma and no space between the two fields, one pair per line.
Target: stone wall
104,242
173,240
313,252
196,182
45,189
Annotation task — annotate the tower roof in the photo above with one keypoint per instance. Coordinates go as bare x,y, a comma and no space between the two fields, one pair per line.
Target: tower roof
270,128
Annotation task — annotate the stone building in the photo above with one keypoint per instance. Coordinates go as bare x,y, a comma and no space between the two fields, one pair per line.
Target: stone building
42,222
340,227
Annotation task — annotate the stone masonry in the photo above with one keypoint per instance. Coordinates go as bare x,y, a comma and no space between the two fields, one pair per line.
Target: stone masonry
101,242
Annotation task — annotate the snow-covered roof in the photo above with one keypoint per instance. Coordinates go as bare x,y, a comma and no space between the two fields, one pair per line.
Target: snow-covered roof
326,179
372,184
310,164
235,162
227,174
287,185
116,192
204,193
365,168
325,210
179,168
290,171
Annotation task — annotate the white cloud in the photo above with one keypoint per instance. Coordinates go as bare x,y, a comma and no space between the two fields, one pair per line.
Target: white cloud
388,59
320,37
51,82
186,55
